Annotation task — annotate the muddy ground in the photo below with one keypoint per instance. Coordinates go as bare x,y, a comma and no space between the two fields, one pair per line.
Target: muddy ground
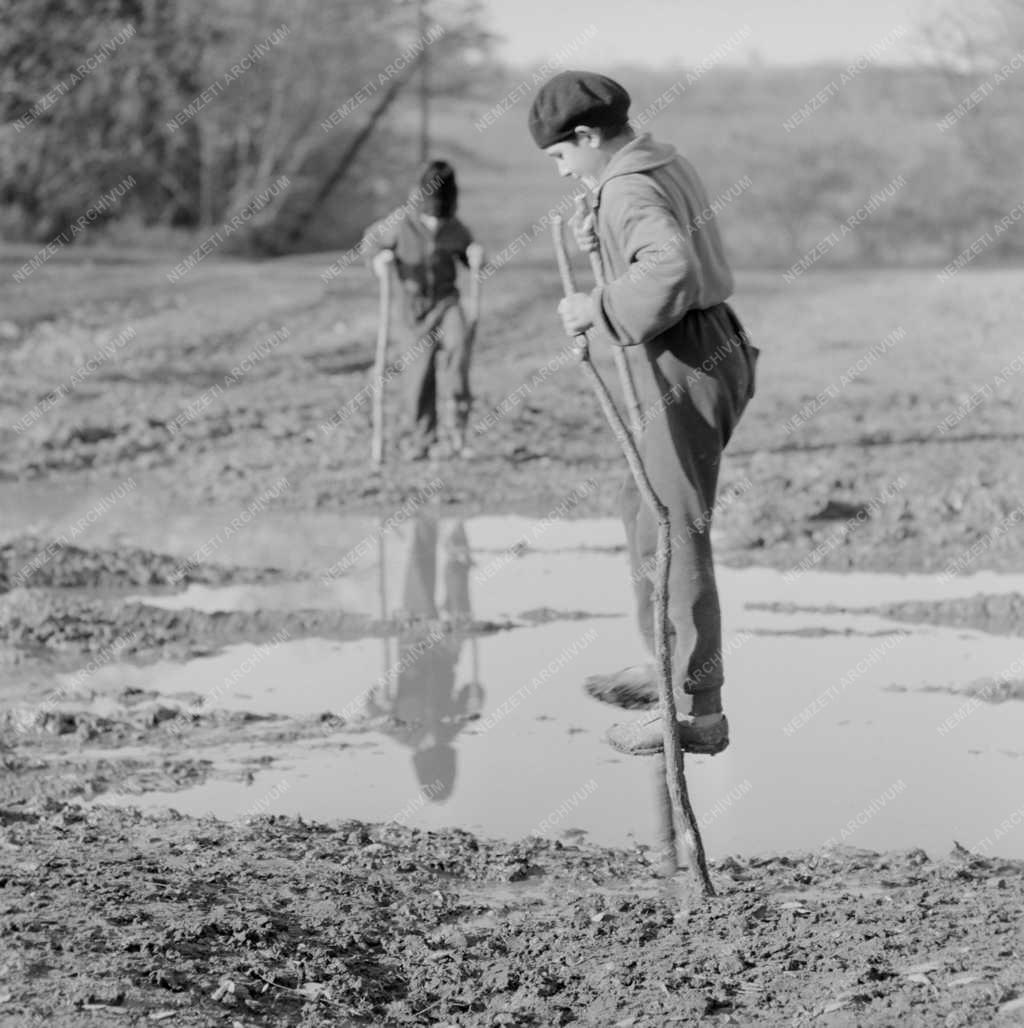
115,917
208,402
279,922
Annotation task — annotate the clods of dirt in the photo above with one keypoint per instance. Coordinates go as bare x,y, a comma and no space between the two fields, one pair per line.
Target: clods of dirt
31,619
31,562
1000,614
278,922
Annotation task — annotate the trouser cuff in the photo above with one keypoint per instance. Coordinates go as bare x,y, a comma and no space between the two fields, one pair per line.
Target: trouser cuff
707,701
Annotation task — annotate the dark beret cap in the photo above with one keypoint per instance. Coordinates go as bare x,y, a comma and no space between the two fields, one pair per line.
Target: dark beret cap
574,98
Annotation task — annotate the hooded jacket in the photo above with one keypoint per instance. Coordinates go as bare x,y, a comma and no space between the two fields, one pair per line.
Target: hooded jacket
663,252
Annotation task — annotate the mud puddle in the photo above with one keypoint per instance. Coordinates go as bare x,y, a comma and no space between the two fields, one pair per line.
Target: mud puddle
106,512
834,715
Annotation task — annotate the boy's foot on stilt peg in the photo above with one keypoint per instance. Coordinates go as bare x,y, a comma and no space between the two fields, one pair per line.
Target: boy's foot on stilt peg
632,688
707,735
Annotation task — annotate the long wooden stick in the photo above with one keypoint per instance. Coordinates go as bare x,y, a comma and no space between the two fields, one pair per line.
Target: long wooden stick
621,360
474,297
383,325
669,853
681,806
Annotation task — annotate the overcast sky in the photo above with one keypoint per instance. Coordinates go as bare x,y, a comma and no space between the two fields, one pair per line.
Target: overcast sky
685,31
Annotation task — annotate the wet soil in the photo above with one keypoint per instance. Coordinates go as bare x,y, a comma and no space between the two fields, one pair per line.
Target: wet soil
109,916
169,411
278,922
32,619
62,601
1000,614
78,751
34,563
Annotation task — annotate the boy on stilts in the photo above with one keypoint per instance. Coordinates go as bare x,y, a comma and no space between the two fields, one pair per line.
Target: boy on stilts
667,283
423,241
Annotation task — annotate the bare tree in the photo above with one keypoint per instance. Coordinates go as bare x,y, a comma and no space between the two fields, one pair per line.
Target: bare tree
350,59
976,49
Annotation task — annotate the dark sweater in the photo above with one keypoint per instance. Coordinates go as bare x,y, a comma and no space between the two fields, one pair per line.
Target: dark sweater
424,259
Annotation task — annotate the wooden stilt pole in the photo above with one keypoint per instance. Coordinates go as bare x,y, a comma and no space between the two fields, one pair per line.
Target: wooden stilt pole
383,326
472,321
682,809
663,801
475,281
636,420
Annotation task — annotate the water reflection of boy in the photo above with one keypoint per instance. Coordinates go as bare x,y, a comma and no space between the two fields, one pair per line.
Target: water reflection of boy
425,710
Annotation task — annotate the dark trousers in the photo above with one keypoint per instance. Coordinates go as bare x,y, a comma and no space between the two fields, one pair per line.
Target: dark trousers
693,392
436,372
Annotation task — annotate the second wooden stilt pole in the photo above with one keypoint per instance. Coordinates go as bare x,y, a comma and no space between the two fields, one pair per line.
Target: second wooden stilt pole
379,363
669,852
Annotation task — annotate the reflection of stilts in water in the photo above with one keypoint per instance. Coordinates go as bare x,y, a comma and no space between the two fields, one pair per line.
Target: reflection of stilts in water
666,824
382,584
627,699
459,608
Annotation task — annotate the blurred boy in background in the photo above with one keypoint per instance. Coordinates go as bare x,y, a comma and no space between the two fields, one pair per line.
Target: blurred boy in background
424,241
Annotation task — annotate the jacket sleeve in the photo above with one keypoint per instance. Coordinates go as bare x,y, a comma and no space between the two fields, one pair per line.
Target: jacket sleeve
663,280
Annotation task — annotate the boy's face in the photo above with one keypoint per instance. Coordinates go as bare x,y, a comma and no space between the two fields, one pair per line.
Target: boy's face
582,158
